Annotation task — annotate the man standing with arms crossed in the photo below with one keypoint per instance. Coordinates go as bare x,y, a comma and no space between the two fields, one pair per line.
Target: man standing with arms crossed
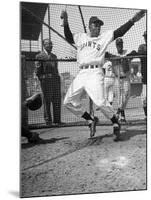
91,49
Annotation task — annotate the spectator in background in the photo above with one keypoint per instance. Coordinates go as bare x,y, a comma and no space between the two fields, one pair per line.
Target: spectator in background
139,76
121,68
133,75
142,50
32,137
47,72
109,80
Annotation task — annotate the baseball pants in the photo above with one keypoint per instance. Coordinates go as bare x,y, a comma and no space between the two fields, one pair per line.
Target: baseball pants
143,96
90,81
122,91
109,88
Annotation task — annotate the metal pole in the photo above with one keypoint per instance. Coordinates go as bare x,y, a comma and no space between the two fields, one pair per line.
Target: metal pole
42,22
49,21
42,38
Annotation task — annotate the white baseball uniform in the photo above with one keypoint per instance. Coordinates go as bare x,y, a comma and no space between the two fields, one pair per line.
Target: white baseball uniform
122,81
90,57
109,80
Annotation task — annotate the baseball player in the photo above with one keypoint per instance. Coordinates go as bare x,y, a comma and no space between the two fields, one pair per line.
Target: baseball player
109,80
142,50
91,49
122,82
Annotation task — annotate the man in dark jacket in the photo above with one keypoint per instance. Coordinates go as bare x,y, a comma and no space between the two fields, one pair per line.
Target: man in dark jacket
47,72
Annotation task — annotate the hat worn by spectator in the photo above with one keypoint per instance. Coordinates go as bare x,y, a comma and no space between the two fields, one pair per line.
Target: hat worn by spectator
95,19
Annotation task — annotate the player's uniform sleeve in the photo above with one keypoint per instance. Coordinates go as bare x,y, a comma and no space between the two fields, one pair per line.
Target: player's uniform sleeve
105,39
109,36
68,34
78,38
123,29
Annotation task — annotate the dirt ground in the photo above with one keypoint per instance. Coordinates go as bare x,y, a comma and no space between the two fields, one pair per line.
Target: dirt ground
69,162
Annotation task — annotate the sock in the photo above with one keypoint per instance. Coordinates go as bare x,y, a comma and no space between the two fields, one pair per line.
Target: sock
87,116
145,110
114,120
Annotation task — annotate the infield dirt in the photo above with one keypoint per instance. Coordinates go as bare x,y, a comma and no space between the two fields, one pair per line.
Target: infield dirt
69,162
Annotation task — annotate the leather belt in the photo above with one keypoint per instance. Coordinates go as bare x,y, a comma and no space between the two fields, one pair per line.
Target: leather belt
89,67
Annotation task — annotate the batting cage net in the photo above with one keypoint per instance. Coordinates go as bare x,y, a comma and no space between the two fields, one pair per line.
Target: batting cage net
40,21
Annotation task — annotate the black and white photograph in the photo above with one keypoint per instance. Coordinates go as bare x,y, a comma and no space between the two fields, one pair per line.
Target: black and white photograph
75,100
83,82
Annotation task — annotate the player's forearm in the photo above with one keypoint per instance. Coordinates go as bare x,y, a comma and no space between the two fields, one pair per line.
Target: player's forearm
123,29
109,55
68,34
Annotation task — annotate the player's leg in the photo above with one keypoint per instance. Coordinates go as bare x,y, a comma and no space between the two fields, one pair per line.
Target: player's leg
73,102
47,93
56,100
125,97
117,92
72,99
106,87
111,91
144,100
95,90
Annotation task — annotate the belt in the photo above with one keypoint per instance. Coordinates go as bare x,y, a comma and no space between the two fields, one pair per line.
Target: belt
89,67
45,75
109,76
121,77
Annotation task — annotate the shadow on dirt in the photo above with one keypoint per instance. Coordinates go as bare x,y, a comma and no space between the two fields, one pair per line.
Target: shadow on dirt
127,134
78,145
42,141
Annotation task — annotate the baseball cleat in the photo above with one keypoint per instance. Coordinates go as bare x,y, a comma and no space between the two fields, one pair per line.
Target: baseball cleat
116,132
92,127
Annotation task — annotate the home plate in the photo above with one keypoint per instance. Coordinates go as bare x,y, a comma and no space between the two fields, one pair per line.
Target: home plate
108,163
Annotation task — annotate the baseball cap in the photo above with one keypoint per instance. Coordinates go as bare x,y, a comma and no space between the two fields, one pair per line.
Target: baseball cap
145,33
94,19
119,40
